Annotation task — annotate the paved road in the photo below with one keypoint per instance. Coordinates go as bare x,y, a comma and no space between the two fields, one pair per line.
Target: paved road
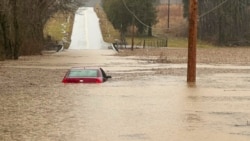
86,32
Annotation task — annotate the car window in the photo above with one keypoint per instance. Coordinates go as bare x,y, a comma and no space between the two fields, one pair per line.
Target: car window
83,73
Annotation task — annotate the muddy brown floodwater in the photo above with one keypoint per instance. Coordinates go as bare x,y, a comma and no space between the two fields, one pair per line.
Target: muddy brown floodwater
143,101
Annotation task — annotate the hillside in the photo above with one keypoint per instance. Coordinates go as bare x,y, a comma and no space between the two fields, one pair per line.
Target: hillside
177,24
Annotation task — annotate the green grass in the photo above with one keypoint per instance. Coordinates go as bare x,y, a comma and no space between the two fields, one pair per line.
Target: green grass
172,42
183,42
177,42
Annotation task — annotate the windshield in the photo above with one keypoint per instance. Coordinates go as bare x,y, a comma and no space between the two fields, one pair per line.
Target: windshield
83,73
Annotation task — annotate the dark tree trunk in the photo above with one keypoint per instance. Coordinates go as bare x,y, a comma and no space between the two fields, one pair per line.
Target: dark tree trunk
21,31
3,39
150,31
16,42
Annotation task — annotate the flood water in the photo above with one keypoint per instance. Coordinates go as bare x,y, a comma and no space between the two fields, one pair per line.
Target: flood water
36,106
136,104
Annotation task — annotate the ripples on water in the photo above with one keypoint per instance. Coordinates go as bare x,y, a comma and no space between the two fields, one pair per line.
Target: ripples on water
124,110
37,106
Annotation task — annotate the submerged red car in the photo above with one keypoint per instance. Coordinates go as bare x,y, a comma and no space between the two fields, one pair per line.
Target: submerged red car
85,75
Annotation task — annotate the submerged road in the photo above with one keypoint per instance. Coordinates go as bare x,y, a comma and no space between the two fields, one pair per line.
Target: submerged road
135,105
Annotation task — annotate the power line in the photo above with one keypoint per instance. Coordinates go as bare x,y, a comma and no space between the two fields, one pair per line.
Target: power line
215,8
243,4
202,15
133,14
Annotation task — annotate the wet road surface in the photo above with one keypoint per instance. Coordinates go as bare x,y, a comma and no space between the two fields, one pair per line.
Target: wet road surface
36,106
86,31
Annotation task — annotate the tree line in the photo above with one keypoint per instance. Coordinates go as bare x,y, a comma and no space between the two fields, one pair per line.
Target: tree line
22,23
223,22
131,13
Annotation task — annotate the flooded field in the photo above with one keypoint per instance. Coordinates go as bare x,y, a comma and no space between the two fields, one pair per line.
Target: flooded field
143,101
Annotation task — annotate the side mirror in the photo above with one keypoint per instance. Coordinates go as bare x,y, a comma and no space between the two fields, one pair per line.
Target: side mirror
108,77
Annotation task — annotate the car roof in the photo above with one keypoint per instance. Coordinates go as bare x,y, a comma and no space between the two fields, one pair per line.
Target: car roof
84,68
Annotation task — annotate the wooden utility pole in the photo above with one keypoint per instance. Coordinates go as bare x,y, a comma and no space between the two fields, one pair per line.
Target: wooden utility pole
168,13
192,40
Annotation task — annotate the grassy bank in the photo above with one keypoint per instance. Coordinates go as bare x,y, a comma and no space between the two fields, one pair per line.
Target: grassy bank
59,27
108,32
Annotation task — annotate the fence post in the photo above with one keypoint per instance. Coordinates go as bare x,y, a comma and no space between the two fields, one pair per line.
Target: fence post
144,43
166,42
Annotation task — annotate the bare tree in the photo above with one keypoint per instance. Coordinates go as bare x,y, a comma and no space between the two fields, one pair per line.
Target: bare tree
224,22
22,24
